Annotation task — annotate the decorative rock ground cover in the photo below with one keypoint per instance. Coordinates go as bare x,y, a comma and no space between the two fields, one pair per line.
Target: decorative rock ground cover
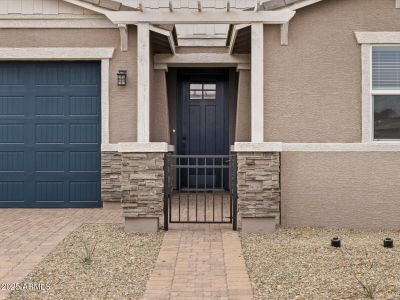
301,264
121,265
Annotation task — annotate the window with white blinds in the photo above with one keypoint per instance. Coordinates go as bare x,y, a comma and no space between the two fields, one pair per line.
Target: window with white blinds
386,92
386,68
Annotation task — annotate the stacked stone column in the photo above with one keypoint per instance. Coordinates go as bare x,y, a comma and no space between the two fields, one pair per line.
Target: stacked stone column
136,181
259,194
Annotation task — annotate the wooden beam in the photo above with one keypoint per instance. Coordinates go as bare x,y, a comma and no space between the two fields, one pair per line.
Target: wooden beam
285,34
194,17
257,83
202,58
143,83
167,34
123,32
235,31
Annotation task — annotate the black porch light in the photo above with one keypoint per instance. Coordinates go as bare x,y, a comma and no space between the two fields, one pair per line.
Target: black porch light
335,242
388,243
121,77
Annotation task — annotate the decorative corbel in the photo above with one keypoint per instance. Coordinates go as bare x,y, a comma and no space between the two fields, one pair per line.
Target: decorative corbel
123,32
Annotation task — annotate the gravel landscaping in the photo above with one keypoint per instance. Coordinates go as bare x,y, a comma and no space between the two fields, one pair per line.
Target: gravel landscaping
118,269
301,264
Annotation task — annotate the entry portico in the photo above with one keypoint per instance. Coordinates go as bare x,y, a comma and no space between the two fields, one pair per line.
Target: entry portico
142,216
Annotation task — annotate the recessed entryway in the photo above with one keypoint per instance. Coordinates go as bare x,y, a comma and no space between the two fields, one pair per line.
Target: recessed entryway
201,173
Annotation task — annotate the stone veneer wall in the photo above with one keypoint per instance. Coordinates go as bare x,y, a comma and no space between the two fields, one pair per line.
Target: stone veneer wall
111,163
258,185
142,185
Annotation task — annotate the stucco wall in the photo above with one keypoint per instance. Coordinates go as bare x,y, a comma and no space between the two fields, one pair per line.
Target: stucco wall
313,86
243,114
159,117
122,99
341,189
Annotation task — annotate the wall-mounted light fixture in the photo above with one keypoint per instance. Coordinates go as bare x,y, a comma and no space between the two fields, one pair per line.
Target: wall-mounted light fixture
121,77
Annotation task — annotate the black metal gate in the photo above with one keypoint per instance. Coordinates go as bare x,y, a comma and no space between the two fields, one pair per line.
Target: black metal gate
200,189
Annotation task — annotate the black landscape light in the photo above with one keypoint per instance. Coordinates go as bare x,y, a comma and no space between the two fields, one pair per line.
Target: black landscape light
388,243
335,242
121,77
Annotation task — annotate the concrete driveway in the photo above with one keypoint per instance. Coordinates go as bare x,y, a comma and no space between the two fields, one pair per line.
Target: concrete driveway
28,235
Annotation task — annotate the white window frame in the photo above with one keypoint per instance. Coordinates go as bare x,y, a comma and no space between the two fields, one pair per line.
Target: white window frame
369,93
368,40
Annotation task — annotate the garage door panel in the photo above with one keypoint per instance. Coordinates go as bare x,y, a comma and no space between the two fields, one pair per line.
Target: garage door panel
84,106
84,161
50,134
49,161
50,191
84,133
82,76
12,106
84,191
50,74
11,192
12,133
13,74
49,106
12,161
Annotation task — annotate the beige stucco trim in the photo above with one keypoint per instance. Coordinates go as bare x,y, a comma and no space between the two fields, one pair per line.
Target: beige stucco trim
143,83
158,147
257,82
55,53
225,59
195,17
46,54
105,101
367,118
316,147
68,23
379,37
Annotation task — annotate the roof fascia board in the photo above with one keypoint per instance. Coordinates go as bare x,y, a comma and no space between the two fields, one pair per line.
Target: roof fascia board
194,17
298,5
88,6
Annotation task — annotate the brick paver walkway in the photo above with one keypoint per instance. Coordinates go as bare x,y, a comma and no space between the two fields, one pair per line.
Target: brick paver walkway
28,235
200,261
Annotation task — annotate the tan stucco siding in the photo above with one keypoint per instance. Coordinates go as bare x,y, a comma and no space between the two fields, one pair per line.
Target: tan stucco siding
243,118
341,189
159,118
122,99
313,86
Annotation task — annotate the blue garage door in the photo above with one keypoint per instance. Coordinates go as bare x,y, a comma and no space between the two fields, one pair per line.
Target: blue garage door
49,134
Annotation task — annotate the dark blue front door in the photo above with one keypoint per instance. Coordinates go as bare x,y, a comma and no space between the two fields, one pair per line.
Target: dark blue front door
203,125
50,134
